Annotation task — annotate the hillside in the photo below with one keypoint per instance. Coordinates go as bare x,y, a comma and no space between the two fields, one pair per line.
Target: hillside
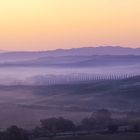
85,51
79,61
73,101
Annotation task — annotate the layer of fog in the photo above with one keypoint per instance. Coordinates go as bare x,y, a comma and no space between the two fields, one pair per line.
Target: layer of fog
34,75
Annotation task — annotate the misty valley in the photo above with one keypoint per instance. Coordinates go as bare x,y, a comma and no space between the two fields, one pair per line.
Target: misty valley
90,94
69,69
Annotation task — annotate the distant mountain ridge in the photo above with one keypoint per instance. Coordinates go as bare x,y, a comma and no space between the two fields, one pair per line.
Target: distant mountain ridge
85,51
103,50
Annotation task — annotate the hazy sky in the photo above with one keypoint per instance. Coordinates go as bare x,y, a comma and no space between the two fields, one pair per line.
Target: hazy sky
51,24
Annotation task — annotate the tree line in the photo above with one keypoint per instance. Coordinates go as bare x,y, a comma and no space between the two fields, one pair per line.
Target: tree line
101,121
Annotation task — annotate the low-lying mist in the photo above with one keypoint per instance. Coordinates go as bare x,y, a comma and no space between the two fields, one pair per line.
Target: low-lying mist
55,75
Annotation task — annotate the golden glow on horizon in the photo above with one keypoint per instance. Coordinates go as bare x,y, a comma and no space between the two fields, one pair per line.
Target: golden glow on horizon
50,24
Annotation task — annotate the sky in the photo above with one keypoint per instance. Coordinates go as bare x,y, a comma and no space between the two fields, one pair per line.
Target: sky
52,24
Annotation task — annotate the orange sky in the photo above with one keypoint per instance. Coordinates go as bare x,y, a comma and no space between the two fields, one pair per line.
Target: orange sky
51,24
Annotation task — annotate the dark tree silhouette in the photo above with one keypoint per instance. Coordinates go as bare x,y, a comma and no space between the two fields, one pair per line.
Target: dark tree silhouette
113,128
88,123
54,125
102,117
15,133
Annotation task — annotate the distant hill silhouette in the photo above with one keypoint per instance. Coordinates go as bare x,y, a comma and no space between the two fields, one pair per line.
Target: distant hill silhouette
79,61
104,50
7,56
85,51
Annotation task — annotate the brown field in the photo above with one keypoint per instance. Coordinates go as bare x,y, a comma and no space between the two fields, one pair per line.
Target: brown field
98,137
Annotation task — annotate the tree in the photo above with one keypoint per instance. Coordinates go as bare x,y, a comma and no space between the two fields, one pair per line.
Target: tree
54,125
15,133
136,128
65,125
88,123
113,128
102,118
38,132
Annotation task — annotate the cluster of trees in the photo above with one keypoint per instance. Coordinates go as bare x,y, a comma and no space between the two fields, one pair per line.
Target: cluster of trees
99,121
54,125
14,133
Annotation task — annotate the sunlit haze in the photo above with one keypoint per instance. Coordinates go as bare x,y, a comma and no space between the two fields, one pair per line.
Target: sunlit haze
51,24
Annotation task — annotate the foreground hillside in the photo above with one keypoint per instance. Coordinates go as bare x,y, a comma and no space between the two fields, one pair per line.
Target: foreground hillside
73,101
87,96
